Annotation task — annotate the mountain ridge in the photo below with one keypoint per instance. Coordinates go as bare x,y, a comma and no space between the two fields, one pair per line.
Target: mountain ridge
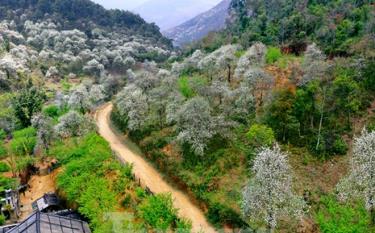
168,14
199,26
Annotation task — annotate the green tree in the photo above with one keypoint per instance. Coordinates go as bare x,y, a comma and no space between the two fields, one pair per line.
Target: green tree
305,107
23,141
346,92
280,115
260,135
28,102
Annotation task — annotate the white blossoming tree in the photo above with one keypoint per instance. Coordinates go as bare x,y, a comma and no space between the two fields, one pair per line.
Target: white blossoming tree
194,124
96,95
44,126
255,56
360,183
79,99
269,195
93,67
259,82
53,73
314,65
132,104
73,124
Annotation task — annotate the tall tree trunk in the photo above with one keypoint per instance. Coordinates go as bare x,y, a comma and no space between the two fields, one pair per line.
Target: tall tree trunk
321,119
229,73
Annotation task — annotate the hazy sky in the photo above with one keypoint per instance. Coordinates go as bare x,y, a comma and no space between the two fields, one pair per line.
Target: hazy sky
120,4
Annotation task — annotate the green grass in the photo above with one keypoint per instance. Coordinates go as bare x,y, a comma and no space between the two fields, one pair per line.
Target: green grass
335,217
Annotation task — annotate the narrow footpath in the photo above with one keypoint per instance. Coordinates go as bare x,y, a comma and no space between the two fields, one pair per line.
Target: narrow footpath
148,175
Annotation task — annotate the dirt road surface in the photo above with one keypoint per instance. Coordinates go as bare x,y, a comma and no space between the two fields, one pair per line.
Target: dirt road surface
148,175
39,185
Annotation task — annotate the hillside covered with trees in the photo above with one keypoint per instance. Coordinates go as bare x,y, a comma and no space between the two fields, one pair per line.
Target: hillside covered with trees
80,14
267,125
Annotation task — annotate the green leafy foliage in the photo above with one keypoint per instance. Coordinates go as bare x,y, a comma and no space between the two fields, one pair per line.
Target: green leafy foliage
97,189
280,116
7,183
334,217
260,135
188,85
273,55
183,226
2,219
3,151
292,24
184,87
23,141
340,147
158,211
4,167
26,103
3,134
53,111
81,180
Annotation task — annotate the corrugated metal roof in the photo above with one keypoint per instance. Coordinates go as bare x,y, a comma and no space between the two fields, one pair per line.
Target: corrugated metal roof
49,223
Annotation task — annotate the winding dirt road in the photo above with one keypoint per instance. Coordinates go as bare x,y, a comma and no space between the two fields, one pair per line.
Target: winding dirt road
148,175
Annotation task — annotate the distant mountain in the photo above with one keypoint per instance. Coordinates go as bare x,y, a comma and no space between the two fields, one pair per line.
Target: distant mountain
80,14
201,25
170,13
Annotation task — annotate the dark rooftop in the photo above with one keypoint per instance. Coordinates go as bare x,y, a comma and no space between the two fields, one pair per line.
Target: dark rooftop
49,223
47,200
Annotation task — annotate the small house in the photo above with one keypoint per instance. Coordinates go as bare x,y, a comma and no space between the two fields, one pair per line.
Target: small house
49,202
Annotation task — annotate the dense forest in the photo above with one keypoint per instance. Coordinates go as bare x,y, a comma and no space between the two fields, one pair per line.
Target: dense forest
267,125
340,28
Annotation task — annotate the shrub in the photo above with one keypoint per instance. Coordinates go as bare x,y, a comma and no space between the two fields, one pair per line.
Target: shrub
90,207
126,201
7,183
158,211
3,134
54,112
340,146
23,142
184,87
140,193
334,217
2,219
260,135
183,225
221,214
273,55
3,151
4,167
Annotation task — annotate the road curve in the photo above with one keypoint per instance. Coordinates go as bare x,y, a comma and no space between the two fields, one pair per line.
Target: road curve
148,175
